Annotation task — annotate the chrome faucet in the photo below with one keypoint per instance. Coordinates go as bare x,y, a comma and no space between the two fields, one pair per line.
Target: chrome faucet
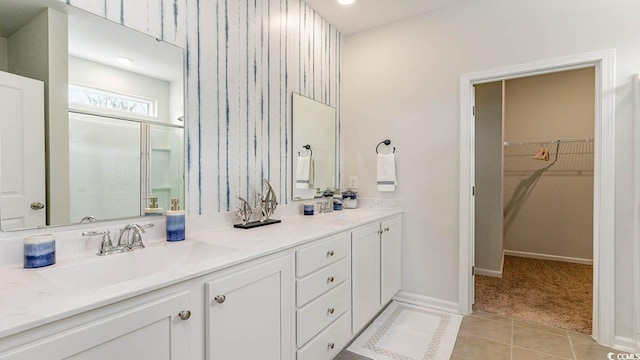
130,237
106,246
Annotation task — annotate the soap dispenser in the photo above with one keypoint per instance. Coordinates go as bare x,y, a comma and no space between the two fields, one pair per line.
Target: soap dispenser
175,222
153,209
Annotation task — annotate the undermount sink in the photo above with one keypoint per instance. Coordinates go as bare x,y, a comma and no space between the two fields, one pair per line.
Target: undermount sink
108,270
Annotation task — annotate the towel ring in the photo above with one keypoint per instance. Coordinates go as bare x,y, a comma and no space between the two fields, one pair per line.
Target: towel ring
308,147
386,142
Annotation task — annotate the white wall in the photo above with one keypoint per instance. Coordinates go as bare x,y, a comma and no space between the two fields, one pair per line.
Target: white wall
58,133
401,82
27,49
176,102
92,74
4,62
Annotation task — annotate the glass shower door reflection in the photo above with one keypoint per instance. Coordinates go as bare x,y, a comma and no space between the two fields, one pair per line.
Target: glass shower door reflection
105,163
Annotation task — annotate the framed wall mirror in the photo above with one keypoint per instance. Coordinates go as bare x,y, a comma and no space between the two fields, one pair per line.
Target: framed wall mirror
92,117
314,147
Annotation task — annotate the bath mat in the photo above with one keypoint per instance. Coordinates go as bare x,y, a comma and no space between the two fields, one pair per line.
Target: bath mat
408,332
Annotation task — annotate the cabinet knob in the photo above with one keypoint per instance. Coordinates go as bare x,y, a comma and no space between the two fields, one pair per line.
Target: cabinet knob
220,299
184,315
386,229
380,232
331,346
331,310
330,279
330,253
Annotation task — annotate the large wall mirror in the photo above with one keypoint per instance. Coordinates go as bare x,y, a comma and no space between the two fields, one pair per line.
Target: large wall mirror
91,120
314,147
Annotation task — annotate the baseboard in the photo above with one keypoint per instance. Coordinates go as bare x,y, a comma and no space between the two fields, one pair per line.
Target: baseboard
491,273
548,257
625,344
421,300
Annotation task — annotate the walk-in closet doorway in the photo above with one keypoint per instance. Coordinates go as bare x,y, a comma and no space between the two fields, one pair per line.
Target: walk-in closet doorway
534,198
603,177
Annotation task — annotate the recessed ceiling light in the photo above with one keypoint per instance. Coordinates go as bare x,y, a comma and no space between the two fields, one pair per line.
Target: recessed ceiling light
124,60
346,2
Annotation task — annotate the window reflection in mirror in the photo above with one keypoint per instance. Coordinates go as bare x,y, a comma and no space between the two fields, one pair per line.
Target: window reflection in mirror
113,129
314,124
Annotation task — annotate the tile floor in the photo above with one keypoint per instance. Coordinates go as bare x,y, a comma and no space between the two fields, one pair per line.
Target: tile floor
491,337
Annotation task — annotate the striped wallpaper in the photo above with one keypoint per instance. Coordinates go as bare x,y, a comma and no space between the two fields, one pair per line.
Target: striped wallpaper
244,60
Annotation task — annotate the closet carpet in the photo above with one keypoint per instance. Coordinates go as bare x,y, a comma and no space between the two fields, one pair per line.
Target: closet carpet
553,293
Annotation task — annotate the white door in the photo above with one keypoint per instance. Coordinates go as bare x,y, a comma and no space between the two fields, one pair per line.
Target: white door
472,250
22,179
391,259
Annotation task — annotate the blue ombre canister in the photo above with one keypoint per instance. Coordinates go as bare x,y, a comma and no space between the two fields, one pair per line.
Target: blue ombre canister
39,250
307,209
175,225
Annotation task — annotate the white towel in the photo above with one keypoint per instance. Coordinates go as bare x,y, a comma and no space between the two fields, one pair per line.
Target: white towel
304,172
386,172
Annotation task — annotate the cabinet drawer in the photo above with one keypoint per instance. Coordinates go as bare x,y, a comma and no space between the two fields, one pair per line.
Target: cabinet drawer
322,254
322,311
320,348
314,285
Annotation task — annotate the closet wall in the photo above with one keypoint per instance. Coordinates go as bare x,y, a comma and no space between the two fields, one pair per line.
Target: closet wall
3,54
488,179
549,212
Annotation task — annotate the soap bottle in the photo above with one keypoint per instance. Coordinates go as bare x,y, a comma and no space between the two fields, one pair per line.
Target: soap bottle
153,209
175,222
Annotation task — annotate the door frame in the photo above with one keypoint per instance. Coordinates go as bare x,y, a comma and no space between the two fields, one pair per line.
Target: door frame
636,238
604,178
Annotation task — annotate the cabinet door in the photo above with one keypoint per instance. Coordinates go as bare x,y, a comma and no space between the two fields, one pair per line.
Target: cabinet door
365,253
390,258
249,313
152,330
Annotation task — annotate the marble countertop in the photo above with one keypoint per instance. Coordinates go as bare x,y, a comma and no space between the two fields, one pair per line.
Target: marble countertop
34,297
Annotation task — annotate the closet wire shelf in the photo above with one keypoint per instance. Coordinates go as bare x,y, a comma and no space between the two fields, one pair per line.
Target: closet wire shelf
568,157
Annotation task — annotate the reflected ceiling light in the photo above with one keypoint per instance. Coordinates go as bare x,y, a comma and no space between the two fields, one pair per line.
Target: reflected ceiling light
124,60
346,2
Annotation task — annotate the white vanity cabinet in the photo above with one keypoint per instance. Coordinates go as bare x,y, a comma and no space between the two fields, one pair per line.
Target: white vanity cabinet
390,258
376,268
323,297
155,326
301,301
249,311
